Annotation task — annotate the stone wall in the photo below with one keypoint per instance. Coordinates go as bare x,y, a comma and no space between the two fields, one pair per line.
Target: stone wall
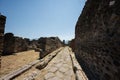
14,44
97,39
44,45
72,44
20,44
33,44
49,44
2,27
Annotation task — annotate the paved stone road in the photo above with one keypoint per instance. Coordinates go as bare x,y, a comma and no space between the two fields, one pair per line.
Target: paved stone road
60,68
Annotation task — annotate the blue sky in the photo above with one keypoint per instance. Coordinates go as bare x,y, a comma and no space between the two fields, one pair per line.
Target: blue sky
41,18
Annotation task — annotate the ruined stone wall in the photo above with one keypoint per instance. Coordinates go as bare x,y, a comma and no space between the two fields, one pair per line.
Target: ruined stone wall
33,44
97,39
2,27
14,44
49,44
45,45
72,44
9,42
20,44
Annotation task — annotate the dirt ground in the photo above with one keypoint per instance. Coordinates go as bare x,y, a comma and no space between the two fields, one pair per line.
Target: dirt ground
13,62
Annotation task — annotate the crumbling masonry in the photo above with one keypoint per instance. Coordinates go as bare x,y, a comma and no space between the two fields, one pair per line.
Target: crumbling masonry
97,39
2,26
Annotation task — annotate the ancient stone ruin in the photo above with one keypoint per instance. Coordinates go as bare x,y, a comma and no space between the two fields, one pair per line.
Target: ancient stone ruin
2,26
44,45
33,44
13,44
72,44
48,44
96,44
97,39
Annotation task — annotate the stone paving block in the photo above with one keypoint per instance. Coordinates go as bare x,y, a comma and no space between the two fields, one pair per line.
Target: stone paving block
52,69
59,65
69,72
59,74
55,78
63,69
49,75
67,78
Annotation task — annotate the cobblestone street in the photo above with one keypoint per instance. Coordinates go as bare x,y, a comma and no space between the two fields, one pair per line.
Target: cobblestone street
60,68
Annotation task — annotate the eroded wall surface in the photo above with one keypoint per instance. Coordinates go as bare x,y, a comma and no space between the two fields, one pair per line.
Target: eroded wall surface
2,26
13,44
97,39
49,44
